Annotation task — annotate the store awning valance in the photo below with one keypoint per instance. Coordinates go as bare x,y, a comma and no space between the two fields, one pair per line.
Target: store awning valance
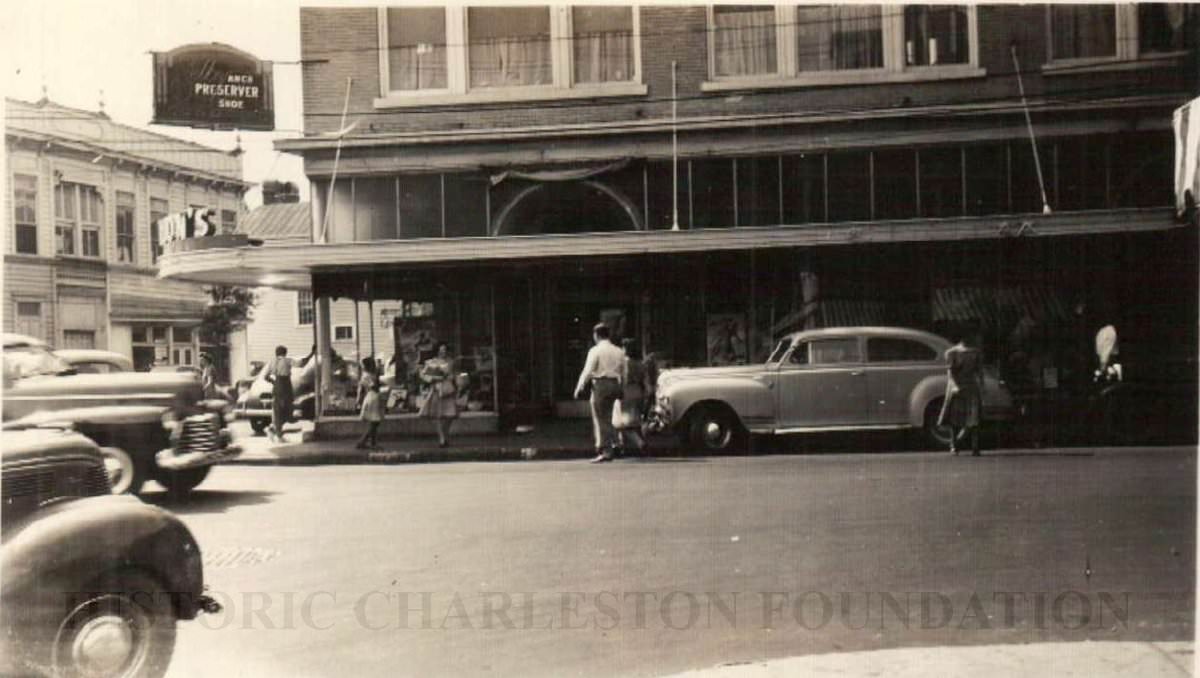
998,306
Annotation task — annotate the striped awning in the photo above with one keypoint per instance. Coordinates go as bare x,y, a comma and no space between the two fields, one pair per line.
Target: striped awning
998,306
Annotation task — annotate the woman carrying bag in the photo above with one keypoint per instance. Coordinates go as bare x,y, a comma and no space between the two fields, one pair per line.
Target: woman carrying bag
628,411
441,398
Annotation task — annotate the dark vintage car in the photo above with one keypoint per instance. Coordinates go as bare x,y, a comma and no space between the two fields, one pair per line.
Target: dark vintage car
148,425
91,584
835,379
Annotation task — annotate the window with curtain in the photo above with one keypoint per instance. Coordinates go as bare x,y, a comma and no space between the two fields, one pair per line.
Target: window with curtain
125,212
602,38
839,37
1083,31
935,34
25,213
509,46
416,48
744,40
1166,27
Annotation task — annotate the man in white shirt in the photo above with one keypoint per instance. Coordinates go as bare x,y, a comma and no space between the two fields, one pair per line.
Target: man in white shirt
603,370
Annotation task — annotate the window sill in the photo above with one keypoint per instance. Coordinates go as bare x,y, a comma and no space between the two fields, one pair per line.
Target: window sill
875,76
510,94
1110,64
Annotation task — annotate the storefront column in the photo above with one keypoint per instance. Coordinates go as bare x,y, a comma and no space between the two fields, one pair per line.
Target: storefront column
324,346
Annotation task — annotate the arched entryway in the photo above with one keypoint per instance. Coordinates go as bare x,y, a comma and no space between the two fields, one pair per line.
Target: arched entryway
586,206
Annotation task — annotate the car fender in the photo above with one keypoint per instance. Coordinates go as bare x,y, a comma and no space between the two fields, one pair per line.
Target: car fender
62,549
750,398
926,391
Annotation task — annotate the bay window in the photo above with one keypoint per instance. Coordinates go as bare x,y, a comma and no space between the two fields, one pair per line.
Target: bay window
456,54
787,46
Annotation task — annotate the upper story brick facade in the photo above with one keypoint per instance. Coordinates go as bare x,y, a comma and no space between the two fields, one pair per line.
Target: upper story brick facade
1065,55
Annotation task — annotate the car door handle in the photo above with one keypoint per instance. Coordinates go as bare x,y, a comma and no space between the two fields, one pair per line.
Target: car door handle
858,373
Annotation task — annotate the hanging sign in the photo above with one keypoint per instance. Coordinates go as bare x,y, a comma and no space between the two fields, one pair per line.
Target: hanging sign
214,86
195,222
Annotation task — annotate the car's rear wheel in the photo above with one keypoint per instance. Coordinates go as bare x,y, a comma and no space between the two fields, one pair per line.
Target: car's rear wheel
125,628
259,425
712,428
123,475
182,482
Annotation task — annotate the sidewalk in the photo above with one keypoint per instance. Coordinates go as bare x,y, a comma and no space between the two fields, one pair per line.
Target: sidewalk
1083,659
550,440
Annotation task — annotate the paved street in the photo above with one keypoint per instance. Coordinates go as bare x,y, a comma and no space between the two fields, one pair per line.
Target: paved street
662,566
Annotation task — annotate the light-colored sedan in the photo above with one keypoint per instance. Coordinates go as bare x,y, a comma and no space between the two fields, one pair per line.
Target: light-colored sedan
836,379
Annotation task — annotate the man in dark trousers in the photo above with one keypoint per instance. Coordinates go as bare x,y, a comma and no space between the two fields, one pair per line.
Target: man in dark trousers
603,370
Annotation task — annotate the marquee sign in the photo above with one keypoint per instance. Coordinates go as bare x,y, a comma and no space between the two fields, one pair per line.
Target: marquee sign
214,86
195,222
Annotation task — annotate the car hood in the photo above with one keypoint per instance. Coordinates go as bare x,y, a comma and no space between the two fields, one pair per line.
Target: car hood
683,373
42,444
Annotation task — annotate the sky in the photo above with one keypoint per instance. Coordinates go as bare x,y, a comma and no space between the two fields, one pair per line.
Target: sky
77,49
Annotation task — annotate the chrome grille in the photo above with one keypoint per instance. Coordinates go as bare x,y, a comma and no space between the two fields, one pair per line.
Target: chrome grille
200,433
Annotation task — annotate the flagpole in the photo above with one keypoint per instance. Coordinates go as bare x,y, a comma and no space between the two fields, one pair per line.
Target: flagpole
674,149
337,155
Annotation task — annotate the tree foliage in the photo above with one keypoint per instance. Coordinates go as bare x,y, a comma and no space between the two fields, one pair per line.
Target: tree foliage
229,309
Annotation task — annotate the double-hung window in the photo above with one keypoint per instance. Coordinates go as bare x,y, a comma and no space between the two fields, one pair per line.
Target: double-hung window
125,227
789,45
1121,32
77,219
458,54
158,210
305,310
25,213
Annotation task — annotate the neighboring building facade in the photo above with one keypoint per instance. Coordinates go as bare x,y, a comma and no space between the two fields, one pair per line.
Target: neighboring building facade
515,173
286,317
81,255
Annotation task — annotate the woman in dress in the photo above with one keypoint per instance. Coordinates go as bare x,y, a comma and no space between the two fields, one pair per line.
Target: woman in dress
279,373
440,403
371,404
208,377
964,393
627,416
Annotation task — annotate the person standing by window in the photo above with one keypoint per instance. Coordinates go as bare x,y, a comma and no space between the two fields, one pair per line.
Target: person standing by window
279,373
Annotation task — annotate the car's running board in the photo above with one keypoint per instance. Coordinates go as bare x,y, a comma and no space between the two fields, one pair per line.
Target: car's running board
830,429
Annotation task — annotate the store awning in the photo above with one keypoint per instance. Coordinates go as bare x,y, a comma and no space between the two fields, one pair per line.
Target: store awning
290,265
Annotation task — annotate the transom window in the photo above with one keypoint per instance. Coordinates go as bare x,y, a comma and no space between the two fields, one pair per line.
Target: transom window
1123,31
125,227
840,44
480,53
77,219
25,213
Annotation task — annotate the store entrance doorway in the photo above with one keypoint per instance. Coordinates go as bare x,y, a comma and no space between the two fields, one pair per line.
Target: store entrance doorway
573,332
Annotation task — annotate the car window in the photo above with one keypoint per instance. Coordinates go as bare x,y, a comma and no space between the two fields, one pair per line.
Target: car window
834,351
799,354
895,350
779,351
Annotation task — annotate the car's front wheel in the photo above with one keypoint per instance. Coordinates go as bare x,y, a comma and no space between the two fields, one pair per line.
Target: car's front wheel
125,628
123,474
712,428
182,482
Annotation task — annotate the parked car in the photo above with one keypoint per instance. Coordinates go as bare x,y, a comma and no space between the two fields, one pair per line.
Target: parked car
148,425
90,584
185,369
837,379
95,361
254,402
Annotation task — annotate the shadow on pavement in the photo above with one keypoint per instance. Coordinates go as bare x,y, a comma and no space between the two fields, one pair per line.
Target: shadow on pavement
206,501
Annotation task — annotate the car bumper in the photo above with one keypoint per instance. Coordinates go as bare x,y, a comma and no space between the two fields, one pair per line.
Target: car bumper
198,441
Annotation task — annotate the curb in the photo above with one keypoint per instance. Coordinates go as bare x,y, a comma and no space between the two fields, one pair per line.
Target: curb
428,456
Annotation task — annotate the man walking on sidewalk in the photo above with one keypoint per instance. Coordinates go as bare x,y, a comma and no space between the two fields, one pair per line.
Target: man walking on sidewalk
603,369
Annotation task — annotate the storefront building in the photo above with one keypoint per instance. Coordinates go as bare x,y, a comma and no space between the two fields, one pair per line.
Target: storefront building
81,257
706,179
